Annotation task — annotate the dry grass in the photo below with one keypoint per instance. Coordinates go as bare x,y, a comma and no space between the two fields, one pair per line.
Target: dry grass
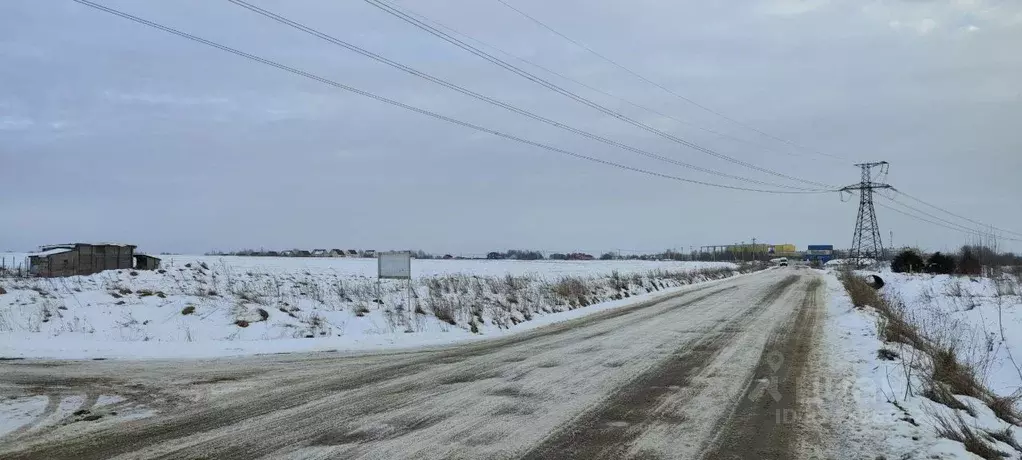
955,428
572,290
1006,436
959,377
1005,407
939,393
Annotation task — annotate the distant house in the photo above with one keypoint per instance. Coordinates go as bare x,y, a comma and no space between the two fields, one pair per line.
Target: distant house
336,253
81,259
352,253
146,262
319,253
369,253
301,253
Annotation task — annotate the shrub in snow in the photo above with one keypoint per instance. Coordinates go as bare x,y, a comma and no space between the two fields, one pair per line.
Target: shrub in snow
940,264
908,261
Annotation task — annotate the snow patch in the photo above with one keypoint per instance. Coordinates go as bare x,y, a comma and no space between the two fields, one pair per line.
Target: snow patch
17,413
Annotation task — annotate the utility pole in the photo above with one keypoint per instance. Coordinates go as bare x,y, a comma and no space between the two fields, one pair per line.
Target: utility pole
755,256
866,244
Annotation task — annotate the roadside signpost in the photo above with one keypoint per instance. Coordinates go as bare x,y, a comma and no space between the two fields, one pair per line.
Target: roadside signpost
396,265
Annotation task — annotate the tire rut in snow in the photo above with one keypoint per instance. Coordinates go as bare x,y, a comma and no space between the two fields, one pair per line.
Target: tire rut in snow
764,424
606,431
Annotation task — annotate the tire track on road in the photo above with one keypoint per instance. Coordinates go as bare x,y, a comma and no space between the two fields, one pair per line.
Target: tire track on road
606,431
764,424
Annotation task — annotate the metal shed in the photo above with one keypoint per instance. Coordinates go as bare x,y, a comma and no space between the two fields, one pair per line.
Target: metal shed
80,259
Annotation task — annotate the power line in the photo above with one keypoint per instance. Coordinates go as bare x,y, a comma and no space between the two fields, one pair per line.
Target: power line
590,87
959,227
664,88
400,14
418,110
939,224
447,84
955,215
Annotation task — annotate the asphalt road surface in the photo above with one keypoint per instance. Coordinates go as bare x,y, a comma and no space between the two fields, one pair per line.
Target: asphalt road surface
713,372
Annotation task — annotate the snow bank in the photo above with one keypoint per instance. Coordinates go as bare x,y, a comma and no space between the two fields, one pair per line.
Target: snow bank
205,307
883,395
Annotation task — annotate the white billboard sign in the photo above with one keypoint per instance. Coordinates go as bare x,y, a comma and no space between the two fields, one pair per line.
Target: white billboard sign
394,265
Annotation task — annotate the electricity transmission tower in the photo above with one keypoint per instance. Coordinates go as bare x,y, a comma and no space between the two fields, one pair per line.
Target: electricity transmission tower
866,243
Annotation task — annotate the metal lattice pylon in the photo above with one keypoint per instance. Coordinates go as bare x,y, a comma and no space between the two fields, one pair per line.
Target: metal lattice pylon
866,244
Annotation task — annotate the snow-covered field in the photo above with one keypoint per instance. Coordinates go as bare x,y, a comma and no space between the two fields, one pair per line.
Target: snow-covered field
216,306
887,391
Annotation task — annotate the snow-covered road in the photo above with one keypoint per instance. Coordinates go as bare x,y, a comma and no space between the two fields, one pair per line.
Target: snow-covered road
711,372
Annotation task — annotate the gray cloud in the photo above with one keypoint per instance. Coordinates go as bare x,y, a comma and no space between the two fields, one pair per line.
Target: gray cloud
110,130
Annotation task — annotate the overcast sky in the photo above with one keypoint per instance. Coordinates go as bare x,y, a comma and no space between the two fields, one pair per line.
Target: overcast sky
110,130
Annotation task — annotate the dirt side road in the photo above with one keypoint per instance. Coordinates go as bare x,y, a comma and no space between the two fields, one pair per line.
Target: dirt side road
709,373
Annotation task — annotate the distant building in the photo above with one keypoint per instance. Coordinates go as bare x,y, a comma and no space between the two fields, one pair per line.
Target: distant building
774,250
81,259
369,253
336,253
352,253
319,253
